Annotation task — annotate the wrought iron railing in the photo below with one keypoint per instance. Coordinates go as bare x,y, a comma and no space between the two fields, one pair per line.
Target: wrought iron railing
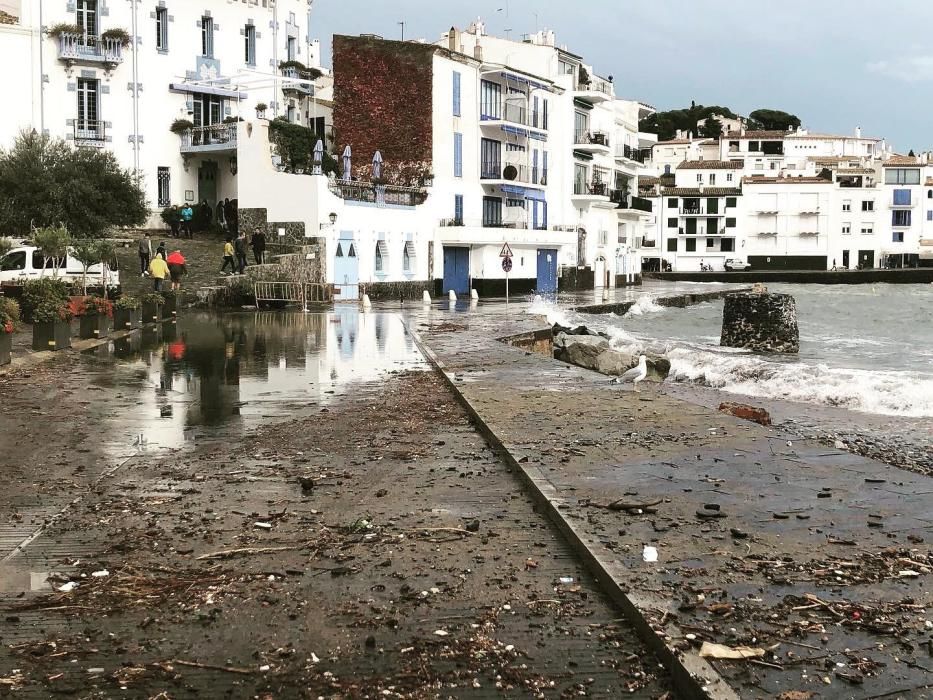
495,170
394,195
87,131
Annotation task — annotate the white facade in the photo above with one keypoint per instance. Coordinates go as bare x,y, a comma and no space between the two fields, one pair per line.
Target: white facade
98,93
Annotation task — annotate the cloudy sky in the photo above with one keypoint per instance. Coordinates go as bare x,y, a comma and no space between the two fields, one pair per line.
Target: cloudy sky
837,64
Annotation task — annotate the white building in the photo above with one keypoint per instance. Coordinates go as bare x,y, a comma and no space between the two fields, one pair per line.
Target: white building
116,75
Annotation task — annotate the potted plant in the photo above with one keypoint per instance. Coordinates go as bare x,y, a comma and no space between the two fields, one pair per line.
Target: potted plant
9,315
95,314
35,292
126,314
56,30
120,36
180,126
151,303
169,305
51,326
261,108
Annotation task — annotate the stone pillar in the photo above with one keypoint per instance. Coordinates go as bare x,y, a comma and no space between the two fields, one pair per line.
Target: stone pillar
760,321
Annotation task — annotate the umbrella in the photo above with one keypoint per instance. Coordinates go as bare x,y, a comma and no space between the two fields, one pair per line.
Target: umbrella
377,165
318,156
347,154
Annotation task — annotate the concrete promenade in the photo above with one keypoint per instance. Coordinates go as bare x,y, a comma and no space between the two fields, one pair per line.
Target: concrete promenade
812,559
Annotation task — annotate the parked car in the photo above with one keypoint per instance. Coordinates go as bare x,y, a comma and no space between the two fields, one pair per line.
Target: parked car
27,263
736,265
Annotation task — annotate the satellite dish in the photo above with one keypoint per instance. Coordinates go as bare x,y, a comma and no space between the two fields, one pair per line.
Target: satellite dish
510,172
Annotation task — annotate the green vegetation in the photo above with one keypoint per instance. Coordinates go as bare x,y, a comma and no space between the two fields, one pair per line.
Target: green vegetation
295,145
667,124
127,302
45,290
772,120
45,182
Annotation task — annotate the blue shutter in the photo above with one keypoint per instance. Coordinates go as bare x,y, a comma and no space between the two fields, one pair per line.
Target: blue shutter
544,170
534,166
458,209
458,155
544,115
456,93
534,112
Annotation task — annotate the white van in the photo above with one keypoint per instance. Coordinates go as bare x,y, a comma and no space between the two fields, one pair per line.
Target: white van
28,263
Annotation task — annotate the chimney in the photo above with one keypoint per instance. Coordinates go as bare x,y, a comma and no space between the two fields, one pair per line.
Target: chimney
858,132
452,43
478,50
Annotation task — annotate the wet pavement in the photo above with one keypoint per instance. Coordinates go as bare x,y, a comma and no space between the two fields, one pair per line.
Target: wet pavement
282,505
813,561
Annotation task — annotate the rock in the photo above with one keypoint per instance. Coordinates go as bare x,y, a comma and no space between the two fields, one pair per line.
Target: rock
593,352
473,526
760,322
741,410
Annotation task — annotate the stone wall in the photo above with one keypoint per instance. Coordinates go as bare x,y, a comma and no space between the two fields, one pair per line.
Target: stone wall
760,321
574,278
408,289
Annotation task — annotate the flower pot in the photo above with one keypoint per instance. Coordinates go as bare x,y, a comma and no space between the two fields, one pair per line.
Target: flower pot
55,335
126,319
96,326
6,348
151,312
170,307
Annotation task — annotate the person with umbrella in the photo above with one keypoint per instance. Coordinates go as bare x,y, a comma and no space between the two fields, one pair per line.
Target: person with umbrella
176,268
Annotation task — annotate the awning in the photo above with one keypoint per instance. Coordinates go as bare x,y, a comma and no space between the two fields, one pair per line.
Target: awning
516,78
526,192
514,130
583,155
537,135
186,88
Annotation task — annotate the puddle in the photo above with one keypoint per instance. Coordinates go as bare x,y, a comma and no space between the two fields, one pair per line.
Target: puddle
210,375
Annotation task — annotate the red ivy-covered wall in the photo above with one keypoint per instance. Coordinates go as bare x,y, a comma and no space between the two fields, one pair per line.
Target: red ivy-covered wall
383,101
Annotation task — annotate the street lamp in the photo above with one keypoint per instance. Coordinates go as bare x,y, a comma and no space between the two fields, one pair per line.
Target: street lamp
333,218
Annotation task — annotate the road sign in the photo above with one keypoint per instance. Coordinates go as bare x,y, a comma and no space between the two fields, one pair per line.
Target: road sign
507,264
506,251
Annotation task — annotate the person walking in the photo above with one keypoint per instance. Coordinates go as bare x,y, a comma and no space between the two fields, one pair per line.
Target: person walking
228,257
161,250
158,270
176,268
221,220
145,254
230,217
187,215
239,247
258,244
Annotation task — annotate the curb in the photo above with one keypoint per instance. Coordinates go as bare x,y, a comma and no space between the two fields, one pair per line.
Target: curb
692,676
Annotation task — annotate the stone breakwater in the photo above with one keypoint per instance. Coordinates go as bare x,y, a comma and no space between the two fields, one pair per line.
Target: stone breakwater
583,348
760,321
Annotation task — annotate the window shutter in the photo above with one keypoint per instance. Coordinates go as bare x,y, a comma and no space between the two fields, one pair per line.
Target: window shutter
458,155
458,208
456,93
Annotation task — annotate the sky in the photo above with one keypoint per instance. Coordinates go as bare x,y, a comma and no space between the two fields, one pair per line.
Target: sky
837,64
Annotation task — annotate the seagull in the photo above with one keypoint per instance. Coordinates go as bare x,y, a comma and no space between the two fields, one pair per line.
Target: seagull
636,374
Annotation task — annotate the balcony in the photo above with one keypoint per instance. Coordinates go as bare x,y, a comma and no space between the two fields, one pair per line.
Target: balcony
591,190
292,75
495,172
90,133
626,201
700,211
900,202
812,211
84,48
625,152
216,138
591,141
379,195
701,231
594,90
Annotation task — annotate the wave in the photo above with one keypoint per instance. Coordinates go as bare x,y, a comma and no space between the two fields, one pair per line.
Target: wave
889,393
645,305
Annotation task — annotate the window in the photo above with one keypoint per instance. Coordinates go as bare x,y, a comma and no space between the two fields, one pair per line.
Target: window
900,217
87,17
207,110
490,159
458,155
88,124
846,229
580,175
672,223
727,245
929,194
581,126
13,261
456,93
868,205
621,234
700,178
731,202
291,48
897,237
930,215
902,176
458,209
847,205
535,111
728,177
250,44
490,100
492,211
165,190
712,179
710,242
161,14
671,245
382,258
408,258
902,198
603,237
544,114
543,168
672,203
207,37
691,245
868,228
730,223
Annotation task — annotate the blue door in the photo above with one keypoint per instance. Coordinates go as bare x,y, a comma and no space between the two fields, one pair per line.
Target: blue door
347,270
547,270
456,270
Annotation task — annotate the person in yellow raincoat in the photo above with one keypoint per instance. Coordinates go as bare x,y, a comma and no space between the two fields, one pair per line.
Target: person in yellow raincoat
158,270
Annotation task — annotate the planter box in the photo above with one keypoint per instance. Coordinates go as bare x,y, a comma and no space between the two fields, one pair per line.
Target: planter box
126,319
94,327
51,336
6,348
151,313
170,307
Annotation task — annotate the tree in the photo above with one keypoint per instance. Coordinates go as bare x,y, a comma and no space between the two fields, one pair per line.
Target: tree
45,182
667,124
773,120
295,145
911,153
711,129
6,245
53,241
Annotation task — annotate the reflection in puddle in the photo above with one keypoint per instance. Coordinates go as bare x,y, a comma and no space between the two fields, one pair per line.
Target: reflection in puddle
212,375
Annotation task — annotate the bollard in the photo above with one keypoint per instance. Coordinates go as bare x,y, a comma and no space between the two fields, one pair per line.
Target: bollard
367,304
452,296
474,294
425,297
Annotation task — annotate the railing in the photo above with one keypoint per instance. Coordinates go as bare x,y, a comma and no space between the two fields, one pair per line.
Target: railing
629,153
627,201
591,138
699,211
598,189
85,47
508,112
292,73
216,137
596,85
649,243
495,170
394,195
89,132
293,292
